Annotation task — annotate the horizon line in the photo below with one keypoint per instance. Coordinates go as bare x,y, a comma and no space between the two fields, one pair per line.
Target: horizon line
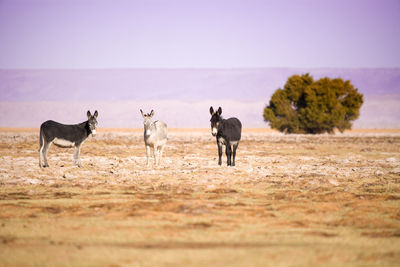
201,129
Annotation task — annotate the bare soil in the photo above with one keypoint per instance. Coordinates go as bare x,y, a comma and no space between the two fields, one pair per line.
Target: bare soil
330,200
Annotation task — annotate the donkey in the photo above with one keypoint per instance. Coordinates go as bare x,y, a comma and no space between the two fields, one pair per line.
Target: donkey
62,135
155,136
228,132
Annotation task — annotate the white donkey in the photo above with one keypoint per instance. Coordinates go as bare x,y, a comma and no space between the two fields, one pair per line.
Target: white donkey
155,136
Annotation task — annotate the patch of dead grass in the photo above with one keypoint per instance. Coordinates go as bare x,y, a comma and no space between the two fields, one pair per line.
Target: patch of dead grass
334,199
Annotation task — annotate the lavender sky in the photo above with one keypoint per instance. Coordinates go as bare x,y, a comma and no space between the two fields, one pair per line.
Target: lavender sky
199,34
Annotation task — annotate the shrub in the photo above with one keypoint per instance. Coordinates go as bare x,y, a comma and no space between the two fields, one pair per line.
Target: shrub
308,106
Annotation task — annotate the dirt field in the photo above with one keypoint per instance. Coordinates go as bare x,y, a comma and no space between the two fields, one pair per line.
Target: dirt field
328,200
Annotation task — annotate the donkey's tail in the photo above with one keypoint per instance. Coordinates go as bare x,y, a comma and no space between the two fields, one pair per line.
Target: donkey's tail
40,138
41,146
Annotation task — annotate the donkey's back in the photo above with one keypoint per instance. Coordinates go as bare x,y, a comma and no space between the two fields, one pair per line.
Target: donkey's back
232,129
157,134
52,129
161,130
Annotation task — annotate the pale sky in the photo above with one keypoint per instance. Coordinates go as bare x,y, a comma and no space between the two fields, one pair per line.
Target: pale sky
199,34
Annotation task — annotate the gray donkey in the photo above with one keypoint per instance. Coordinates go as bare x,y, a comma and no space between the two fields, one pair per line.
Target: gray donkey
155,136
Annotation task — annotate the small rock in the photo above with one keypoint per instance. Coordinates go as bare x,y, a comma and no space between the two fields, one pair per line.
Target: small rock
211,187
249,170
32,181
395,171
391,159
379,172
334,182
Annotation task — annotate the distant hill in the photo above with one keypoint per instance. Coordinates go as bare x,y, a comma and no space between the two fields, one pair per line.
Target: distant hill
180,84
177,93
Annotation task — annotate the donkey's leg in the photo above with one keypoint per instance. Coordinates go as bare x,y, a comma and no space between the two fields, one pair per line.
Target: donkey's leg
228,152
161,153
160,149
219,153
155,154
77,159
147,155
235,145
45,150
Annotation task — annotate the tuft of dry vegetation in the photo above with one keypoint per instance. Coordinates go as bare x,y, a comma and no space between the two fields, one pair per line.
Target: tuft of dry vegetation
331,200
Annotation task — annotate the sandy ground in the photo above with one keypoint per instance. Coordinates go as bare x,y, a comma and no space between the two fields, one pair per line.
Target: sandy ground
331,200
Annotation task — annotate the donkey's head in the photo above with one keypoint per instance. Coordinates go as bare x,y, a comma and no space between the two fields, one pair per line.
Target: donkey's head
147,121
92,121
215,120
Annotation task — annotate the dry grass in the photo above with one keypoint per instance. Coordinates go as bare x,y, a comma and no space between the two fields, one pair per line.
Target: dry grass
329,200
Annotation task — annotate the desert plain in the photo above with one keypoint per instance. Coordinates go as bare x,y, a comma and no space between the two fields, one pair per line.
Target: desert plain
291,200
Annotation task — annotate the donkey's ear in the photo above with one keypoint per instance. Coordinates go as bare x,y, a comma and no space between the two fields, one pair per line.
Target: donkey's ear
211,111
141,111
88,114
152,113
219,111
95,114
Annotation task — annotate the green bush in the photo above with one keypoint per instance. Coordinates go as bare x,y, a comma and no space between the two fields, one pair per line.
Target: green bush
308,106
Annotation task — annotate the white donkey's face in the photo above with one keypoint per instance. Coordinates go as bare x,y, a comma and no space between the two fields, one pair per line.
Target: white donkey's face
147,121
